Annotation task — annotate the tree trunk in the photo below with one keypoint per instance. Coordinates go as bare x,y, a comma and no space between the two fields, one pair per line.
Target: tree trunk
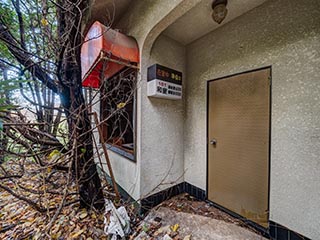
79,123
83,166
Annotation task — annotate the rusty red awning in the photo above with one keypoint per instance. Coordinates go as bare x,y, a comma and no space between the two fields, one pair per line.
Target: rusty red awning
104,53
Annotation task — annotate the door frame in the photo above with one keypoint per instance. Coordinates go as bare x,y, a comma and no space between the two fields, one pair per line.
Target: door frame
261,229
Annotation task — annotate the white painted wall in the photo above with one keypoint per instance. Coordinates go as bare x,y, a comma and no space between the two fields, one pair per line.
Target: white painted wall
145,20
125,171
286,35
162,123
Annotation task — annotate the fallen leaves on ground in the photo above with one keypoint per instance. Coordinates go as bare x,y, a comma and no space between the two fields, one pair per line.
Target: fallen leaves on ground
18,220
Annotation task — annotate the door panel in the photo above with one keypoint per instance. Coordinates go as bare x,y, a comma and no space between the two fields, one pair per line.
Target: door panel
238,155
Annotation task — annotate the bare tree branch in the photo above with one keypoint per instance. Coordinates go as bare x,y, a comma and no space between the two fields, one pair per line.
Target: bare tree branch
25,60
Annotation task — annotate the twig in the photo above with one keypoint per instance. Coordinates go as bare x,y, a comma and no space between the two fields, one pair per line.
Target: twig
8,227
20,197
115,187
65,194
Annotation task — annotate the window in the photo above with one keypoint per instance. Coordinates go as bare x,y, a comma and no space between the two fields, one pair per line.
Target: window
118,112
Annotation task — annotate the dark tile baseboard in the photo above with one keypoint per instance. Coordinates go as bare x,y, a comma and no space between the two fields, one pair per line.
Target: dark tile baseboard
195,191
279,232
184,187
151,201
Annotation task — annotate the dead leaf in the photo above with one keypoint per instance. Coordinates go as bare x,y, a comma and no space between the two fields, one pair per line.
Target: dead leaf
77,234
83,215
121,105
188,237
44,22
175,227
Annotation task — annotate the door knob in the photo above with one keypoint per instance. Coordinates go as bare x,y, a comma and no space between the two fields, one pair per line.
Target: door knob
213,142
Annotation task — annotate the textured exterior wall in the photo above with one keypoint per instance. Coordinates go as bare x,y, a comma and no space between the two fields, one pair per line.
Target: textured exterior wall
286,35
145,20
125,171
162,138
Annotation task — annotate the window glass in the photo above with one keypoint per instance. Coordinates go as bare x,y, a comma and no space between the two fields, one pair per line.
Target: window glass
118,110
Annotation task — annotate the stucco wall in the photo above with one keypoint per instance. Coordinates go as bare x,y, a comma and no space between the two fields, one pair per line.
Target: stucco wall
162,138
286,35
125,171
126,174
145,20
138,22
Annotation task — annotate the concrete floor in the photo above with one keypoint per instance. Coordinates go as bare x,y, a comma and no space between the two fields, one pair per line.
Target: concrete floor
199,227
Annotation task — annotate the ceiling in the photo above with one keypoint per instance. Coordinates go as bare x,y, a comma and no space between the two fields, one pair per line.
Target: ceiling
198,21
109,12
194,24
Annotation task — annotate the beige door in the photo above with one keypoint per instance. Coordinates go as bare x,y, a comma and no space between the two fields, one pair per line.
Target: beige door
238,144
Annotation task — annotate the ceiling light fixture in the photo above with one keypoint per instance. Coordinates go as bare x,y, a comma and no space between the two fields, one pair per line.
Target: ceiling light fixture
219,8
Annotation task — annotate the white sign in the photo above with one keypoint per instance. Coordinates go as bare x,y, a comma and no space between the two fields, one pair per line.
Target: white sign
163,89
164,82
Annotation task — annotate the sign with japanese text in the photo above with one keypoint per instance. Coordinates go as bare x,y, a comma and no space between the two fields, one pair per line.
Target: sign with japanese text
164,82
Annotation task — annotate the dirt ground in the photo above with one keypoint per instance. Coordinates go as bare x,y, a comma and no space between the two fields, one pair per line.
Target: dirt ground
182,215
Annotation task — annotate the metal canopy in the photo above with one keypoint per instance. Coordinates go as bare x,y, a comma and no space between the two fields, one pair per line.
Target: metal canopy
104,53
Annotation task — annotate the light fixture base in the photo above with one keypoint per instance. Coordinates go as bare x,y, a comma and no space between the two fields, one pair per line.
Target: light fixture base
219,10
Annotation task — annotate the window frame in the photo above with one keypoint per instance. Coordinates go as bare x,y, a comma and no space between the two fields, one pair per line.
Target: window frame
113,147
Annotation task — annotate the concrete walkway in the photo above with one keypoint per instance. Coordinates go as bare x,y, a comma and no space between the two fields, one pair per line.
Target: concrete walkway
199,227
